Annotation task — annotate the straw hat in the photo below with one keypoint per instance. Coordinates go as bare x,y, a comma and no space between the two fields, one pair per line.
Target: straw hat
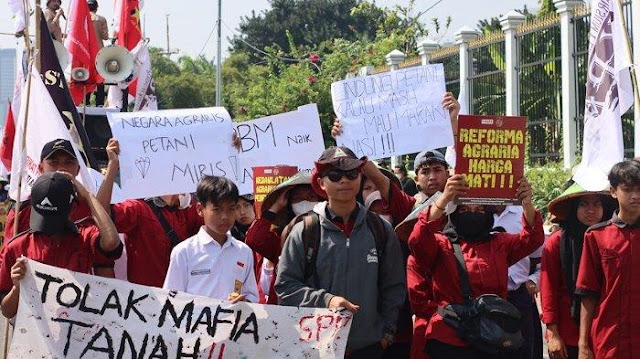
300,178
560,207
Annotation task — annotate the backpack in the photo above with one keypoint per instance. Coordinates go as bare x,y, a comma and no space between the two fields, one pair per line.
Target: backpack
311,237
487,323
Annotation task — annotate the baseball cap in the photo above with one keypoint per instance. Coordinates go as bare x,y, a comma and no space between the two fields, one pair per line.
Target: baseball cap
52,196
57,145
427,157
339,157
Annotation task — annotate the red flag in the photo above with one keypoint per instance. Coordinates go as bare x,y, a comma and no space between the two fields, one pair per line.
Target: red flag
8,134
82,44
129,33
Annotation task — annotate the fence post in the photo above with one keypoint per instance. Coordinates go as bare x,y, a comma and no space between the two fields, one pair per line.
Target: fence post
565,9
510,22
635,28
426,47
462,37
394,59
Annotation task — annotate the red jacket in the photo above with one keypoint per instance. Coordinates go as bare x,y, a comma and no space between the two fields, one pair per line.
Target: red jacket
422,305
264,239
486,262
556,299
609,270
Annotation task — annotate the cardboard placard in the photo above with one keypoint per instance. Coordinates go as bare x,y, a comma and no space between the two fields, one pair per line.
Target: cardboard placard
490,154
266,178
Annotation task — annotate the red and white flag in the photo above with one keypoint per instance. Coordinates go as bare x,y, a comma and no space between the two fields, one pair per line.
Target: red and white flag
8,134
609,95
44,124
129,32
83,47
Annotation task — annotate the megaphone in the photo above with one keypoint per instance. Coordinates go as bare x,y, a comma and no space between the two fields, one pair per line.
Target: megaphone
79,74
62,54
114,63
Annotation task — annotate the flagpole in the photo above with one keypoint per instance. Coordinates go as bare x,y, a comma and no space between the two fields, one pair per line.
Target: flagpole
634,77
218,60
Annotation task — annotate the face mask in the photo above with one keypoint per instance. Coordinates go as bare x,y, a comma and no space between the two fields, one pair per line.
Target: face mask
472,226
302,207
185,200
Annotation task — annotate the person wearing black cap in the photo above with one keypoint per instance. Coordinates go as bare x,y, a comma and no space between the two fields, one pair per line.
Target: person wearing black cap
59,155
348,270
53,238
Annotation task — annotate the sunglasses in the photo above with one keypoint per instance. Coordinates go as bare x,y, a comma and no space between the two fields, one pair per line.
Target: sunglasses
336,175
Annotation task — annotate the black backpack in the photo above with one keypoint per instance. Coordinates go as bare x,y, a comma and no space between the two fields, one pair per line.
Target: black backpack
487,323
311,238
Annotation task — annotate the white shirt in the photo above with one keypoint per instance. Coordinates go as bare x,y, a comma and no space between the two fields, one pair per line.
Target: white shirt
511,220
200,265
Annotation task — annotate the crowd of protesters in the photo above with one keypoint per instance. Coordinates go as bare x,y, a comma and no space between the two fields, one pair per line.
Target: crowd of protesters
423,277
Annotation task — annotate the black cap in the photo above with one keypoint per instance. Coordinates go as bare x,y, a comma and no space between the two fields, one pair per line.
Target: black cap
428,157
339,157
57,145
52,196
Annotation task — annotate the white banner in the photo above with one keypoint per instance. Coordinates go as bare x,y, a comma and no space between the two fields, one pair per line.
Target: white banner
292,138
393,113
43,125
64,314
167,152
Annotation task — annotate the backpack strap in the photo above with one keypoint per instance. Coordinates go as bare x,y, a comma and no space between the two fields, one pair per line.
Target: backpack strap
311,240
379,230
462,272
168,230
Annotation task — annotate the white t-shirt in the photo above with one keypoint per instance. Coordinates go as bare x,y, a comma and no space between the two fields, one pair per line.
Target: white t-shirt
200,265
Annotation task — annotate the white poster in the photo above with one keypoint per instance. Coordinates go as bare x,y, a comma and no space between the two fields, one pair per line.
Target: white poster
167,152
393,113
63,314
292,138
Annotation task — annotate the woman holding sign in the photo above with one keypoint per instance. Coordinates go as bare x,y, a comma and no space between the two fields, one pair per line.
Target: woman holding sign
575,210
468,265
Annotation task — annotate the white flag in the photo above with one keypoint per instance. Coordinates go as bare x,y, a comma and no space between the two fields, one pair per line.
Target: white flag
609,95
16,7
43,125
146,99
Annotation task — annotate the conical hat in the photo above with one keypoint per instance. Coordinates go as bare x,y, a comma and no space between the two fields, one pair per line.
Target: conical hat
300,178
561,205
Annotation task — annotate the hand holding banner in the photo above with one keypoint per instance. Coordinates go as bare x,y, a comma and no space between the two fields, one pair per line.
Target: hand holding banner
490,154
393,113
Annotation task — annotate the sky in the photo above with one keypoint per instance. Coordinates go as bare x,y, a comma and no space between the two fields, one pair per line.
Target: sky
192,21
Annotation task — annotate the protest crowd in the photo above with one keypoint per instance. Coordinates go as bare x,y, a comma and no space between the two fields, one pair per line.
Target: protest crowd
444,256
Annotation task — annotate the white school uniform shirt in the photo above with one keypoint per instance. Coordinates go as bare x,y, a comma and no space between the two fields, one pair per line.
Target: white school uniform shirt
511,220
200,265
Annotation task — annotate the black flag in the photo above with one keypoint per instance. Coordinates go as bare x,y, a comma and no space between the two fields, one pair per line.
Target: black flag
56,84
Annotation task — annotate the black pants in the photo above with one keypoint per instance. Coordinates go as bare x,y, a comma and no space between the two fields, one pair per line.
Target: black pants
573,352
398,351
522,300
373,351
440,350
536,345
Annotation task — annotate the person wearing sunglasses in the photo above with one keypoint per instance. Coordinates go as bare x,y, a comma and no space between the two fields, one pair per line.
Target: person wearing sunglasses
348,271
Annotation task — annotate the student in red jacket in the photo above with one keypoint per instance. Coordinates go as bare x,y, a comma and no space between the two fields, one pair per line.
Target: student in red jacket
608,274
487,256
575,210
287,200
53,238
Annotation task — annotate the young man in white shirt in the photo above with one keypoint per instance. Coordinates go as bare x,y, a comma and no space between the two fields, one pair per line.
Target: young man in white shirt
213,263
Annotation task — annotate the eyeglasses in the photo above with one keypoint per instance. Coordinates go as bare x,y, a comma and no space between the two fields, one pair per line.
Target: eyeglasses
336,175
